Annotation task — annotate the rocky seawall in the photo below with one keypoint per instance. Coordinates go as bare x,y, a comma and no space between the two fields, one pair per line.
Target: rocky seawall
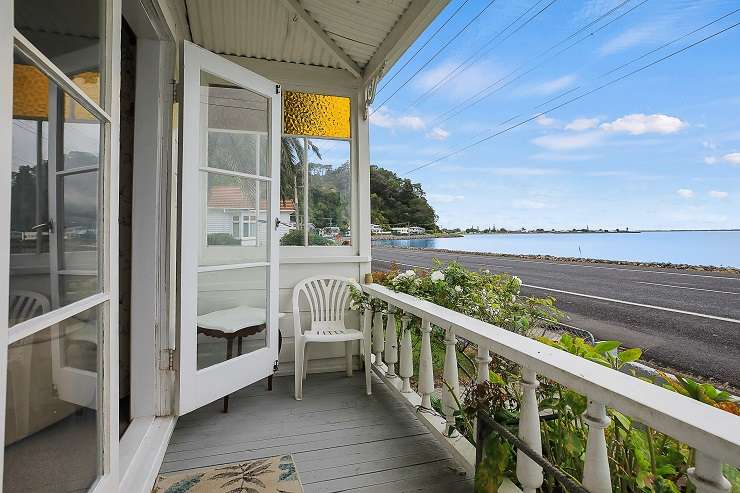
578,260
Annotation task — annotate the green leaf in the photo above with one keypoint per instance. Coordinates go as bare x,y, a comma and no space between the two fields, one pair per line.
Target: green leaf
605,346
630,355
620,418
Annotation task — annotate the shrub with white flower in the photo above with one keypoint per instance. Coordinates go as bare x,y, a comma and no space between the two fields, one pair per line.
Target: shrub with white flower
492,298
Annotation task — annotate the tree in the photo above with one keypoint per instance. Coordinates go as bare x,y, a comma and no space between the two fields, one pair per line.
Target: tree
394,200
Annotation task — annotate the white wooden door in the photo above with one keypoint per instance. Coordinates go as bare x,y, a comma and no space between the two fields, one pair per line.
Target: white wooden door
230,131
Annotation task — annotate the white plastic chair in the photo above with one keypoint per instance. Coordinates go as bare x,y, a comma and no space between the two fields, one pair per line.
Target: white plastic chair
327,297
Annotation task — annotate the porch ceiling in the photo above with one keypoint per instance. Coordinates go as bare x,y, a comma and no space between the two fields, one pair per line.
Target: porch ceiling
347,34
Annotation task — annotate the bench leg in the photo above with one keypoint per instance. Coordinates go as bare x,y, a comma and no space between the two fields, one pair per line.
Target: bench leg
229,354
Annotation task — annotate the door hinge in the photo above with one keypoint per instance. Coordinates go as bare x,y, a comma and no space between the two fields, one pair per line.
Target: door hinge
175,91
277,88
167,360
275,366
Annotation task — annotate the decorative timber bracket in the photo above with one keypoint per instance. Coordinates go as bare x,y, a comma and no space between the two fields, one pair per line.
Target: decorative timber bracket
370,88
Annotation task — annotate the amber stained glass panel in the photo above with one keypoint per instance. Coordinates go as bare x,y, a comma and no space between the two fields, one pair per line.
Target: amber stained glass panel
315,115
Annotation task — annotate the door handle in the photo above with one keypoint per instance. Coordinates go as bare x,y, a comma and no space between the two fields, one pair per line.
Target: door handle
47,226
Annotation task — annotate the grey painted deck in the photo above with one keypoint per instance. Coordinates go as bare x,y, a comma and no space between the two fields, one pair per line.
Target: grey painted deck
341,439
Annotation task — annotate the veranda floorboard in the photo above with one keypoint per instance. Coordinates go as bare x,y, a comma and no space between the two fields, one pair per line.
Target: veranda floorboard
340,438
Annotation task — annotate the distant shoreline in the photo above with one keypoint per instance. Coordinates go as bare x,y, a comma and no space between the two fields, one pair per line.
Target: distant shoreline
578,260
427,236
583,231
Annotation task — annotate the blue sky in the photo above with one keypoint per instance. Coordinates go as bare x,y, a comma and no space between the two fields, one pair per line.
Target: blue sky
660,149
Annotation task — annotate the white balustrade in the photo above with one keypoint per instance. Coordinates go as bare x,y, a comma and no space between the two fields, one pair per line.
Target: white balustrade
713,434
406,364
390,353
528,472
596,474
483,360
707,475
451,384
426,371
377,341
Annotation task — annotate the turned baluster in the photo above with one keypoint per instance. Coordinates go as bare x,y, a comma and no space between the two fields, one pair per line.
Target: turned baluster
528,471
596,474
483,360
391,343
707,475
378,343
426,371
406,365
451,384
367,320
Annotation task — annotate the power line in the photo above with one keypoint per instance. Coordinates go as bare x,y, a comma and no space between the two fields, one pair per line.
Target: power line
435,55
480,95
385,84
453,73
572,100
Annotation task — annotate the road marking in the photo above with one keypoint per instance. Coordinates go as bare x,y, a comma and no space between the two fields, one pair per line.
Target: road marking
632,303
573,265
601,298
687,287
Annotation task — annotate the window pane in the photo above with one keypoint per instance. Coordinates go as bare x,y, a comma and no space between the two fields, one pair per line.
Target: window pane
68,32
291,229
54,212
236,119
51,423
230,197
316,115
231,314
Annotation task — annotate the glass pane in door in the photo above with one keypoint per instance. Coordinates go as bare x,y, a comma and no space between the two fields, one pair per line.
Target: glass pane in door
233,215
232,314
55,196
51,422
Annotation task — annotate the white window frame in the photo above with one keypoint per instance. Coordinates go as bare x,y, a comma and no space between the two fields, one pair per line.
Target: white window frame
107,113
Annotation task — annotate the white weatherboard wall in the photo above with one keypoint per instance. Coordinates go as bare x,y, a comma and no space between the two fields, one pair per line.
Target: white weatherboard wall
297,263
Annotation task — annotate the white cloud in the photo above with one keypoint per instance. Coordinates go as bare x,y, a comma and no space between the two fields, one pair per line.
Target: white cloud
529,204
522,171
475,78
438,133
732,158
708,144
639,123
716,194
627,39
685,193
443,198
580,124
384,118
567,142
550,86
710,160
546,121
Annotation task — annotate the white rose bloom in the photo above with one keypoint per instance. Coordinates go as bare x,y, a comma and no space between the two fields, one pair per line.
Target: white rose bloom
458,289
437,276
517,280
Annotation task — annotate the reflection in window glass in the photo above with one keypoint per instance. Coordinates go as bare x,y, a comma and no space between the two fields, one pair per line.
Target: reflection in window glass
231,314
68,32
52,242
319,214
237,118
51,408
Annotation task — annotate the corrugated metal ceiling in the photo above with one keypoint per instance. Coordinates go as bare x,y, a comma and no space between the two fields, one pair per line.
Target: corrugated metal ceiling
270,30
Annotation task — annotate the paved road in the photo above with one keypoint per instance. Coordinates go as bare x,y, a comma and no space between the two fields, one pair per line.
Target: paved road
689,321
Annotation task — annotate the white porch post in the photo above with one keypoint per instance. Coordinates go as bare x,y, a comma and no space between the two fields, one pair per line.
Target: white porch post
378,336
451,385
528,471
707,475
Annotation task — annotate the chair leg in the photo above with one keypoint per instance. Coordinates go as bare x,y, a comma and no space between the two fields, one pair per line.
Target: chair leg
348,357
305,360
299,354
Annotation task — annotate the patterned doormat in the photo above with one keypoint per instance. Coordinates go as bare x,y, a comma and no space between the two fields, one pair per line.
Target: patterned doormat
270,475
